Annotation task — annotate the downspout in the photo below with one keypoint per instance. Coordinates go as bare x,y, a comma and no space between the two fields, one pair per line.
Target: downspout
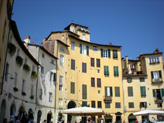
123,96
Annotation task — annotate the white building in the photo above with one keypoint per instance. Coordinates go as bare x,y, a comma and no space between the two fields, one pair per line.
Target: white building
20,82
46,98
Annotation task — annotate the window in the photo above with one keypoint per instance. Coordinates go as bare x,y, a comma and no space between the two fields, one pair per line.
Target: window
84,49
60,87
92,62
159,105
60,102
61,60
83,36
72,45
106,70
84,91
32,89
15,79
108,91
62,36
61,48
94,48
92,82
84,67
84,103
143,104
93,104
98,71
131,105
142,79
105,53
42,55
72,87
7,71
143,90
42,69
118,105
61,79
98,62
158,93
99,104
54,77
116,73
99,82
40,94
98,91
154,59
50,97
129,80
156,75
107,104
23,85
72,64
117,91
130,91
52,61
115,56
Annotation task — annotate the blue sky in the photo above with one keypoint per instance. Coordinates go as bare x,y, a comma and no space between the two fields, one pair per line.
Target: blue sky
136,25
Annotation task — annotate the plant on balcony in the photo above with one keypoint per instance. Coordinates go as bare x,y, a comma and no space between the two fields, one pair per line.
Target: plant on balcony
15,89
12,49
32,97
23,93
26,67
19,60
34,74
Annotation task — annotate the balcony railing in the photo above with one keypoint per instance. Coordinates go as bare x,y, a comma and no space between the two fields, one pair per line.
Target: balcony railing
107,98
157,81
158,100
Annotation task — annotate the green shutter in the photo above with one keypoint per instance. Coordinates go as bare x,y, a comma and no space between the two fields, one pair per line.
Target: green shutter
107,67
143,91
109,53
145,104
80,48
154,93
152,75
111,92
104,70
160,75
101,52
163,92
87,50
105,91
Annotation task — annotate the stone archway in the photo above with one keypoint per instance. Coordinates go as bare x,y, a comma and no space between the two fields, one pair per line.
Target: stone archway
12,112
71,104
21,111
49,116
30,115
3,111
131,118
39,114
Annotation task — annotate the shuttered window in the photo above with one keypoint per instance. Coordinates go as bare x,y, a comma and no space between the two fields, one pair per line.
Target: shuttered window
116,73
108,91
72,87
98,62
99,104
107,104
99,82
84,49
84,91
115,56
72,64
84,103
92,62
118,105
93,104
106,70
105,53
117,91
130,91
84,67
131,105
143,90
92,82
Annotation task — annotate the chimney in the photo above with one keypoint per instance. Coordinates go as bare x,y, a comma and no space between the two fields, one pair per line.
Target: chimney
156,51
27,39
110,43
44,40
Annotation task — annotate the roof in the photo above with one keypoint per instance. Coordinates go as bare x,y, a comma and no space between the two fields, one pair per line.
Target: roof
19,41
62,32
41,47
66,28
148,54
94,43
60,42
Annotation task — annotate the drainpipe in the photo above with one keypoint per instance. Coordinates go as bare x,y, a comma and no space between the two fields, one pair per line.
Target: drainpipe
123,97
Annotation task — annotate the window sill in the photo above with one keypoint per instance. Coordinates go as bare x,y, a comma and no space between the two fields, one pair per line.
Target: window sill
154,63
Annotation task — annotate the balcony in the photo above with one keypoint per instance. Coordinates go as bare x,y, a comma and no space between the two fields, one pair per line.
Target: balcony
157,81
158,100
107,98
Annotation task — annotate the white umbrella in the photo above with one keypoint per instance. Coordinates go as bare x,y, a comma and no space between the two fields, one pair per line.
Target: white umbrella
149,112
83,111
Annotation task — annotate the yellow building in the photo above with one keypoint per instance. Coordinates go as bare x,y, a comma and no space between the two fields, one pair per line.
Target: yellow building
93,73
5,17
143,86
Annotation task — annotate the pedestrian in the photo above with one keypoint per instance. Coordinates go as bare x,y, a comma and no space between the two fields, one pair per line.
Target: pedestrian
17,119
45,121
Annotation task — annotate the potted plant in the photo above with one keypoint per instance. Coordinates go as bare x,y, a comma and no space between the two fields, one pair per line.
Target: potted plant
15,89
32,97
34,74
23,93
19,60
12,48
26,67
